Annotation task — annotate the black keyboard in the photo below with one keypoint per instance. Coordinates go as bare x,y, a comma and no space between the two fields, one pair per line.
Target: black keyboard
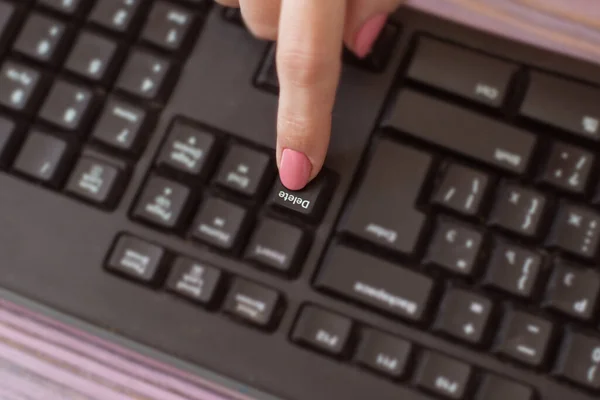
447,250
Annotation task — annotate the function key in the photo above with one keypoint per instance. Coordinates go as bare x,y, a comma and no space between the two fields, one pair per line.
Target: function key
244,170
144,75
253,303
120,126
41,38
43,158
568,168
322,330
195,281
69,7
276,245
383,353
21,87
168,26
116,15
444,376
462,189
162,203
576,230
220,223
68,106
455,247
93,57
309,202
96,181
8,133
137,259
498,388
525,338
518,209
580,362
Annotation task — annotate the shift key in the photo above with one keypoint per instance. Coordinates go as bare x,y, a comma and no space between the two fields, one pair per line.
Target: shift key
373,282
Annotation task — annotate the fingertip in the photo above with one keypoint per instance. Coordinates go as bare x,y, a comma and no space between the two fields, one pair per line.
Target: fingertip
295,169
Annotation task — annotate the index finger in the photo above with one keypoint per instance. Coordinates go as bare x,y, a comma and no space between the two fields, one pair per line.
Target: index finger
308,63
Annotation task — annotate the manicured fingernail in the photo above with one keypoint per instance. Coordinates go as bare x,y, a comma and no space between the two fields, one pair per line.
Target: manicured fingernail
368,34
294,170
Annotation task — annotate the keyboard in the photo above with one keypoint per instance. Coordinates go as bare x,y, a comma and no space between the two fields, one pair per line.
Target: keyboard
447,250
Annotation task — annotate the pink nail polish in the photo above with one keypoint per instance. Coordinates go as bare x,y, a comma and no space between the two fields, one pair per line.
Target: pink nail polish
294,170
368,34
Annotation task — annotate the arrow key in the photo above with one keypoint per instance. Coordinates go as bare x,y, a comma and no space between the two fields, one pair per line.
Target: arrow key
144,75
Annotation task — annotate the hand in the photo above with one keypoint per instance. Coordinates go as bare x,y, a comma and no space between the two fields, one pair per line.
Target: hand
310,35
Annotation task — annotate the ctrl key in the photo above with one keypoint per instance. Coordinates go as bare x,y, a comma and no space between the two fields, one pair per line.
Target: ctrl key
322,330
136,259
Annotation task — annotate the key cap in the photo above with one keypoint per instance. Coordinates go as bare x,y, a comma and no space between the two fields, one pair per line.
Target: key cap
444,376
244,171
144,75
233,15
68,106
93,57
220,223
137,259
168,26
96,181
580,362
376,283
462,131
513,269
188,151
498,388
43,158
576,230
454,247
41,39
525,338
518,209
116,15
310,202
8,134
568,168
464,316
276,246
7,12
21,87
194,281
267,77
163,203
69,7
322,330
564,104
573,291
383,211
121,126
461,189
381,51
384,354
470,75
252,303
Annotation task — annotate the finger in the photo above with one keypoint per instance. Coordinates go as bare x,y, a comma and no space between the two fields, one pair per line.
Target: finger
262,17
308,64
364,22
229,3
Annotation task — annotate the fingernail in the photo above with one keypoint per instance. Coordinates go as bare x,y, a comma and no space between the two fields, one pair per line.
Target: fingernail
368,34
294,170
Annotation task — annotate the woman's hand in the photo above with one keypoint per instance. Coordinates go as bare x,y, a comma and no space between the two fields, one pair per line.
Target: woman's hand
310,35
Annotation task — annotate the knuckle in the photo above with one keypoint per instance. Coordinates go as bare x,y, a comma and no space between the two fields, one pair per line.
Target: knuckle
306,69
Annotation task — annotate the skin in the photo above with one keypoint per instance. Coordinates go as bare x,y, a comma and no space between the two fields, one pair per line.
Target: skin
310,35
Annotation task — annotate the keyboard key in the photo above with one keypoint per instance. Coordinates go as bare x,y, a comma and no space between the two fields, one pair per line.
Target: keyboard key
233,15
566,105
568,168
267,77
462,131
461,189
465,316
244,171
518,209
384,354
7,12
513,269
41,38
322,330
96,181
194,280
93,57
470,75
43,157
137,259
188,150
8,134
376,283
144,75
576,230
68,106
252,303
276,245
310,202
497,388
220,223
162,203
120,126
167,26
444,376
455,247
21,87
383,211
580,363
116,15
380,53
68,7
525,338
573,291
